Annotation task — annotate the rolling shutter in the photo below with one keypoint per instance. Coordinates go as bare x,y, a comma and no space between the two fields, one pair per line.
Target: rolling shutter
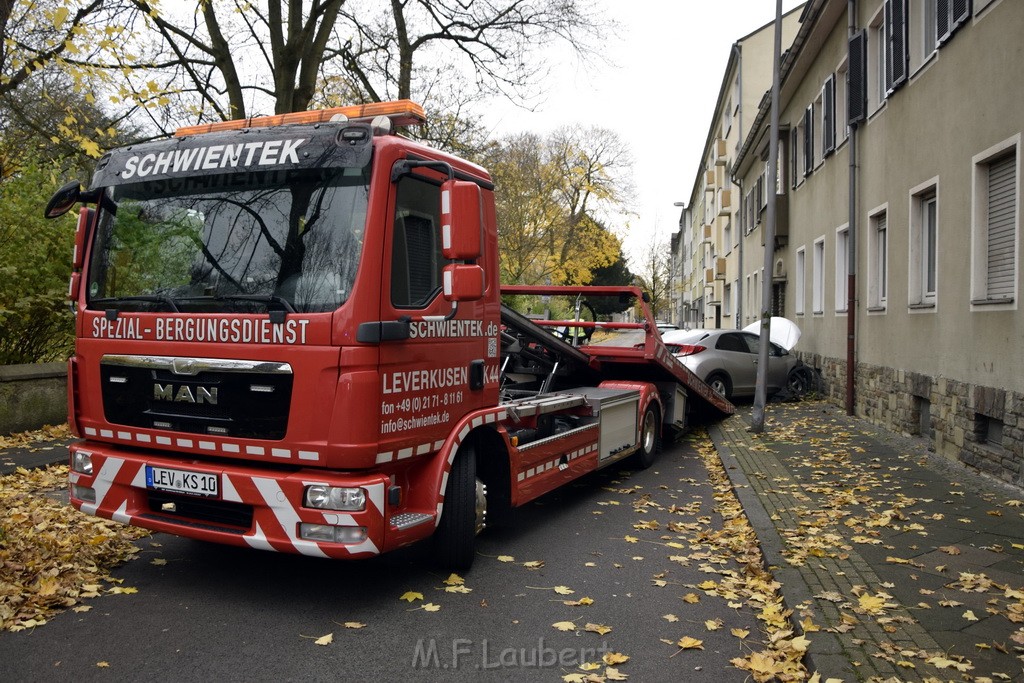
1002,196
809,140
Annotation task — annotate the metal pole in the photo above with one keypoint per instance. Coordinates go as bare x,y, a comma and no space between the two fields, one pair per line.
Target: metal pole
851,280
761,389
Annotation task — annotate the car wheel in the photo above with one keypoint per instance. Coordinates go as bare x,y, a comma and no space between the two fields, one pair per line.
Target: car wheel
720,384
799,381
650,438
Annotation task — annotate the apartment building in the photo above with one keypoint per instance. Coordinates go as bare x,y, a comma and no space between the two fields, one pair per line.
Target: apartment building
898,241
706,252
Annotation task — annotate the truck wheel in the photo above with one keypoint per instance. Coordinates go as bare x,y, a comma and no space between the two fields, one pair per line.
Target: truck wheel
463,515
650,438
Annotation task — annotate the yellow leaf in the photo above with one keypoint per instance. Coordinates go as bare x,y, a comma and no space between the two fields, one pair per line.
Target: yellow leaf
590,666
534,564
671,618
354,624
506,558
81,608
740,633
60,15
325,640
713,624
613,674
631,539
410,596
454,580
564,626
613,658
691,598
582,602
158,561
563,590
688,643
103,665
969,616
431,607
458,589
574,678
600,629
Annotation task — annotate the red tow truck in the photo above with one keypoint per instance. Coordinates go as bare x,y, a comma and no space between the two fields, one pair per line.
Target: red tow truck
290,336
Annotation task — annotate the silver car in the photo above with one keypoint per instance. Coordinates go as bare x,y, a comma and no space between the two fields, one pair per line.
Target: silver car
727,360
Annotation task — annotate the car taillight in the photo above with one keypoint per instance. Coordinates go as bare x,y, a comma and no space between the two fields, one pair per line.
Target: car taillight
690,349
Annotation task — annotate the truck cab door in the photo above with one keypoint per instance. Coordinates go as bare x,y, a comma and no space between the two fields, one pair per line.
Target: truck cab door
438,374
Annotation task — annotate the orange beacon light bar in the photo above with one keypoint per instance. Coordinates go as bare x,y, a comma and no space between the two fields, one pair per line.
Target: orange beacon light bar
401,113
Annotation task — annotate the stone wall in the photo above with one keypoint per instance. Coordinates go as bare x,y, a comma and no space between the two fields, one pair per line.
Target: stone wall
32,396
982,427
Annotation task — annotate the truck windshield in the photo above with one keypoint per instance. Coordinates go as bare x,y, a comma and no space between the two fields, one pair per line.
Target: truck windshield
240,242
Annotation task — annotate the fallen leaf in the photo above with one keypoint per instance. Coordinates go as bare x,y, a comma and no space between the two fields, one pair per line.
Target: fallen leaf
430,607
613,658
354,624
613,674
325,640
563,590
564,626
582,602
740,633
671,618
411,596
600,629
506,558
158,561
950,549
454,580
969,616
103,665
688,643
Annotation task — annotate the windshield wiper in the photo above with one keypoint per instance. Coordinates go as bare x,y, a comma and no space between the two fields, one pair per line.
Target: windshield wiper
263,298
153,298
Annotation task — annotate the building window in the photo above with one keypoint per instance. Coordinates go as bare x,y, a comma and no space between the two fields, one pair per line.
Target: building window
995,225
924,233
828,116
878,260
950,15
808,151
842,268
841,119
727,300
929,28
801,280
876,61
794,156
818,275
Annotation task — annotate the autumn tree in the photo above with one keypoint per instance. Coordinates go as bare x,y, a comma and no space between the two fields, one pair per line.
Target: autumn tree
550,195
229,58
654,276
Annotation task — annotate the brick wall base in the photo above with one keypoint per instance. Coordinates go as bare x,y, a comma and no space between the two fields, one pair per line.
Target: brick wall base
980,426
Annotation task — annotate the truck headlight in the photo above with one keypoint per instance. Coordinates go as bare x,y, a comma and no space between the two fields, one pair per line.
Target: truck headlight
81,461
344,499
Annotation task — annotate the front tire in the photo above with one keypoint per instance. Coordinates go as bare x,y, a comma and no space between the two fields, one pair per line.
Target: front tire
463,515
650,438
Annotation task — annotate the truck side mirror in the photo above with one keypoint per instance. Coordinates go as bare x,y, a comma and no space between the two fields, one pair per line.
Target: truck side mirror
63,199
461,220
463,282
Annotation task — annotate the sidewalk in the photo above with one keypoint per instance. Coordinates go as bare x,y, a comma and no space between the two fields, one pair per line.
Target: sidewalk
897,564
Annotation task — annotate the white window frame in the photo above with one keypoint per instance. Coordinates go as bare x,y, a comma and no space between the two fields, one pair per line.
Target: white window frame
817,116
876,61
842,113
878,259
922,198
818,277
842,284
979,226
727,307
799,298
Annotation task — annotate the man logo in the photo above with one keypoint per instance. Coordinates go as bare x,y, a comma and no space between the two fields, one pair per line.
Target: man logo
184,394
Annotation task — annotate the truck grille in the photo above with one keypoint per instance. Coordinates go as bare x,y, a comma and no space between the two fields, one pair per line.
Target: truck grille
217,514
248,399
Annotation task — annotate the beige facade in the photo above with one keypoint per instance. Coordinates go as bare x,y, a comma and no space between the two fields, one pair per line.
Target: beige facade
934,225
706,252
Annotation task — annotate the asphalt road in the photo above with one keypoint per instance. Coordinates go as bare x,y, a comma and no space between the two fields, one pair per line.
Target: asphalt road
219,613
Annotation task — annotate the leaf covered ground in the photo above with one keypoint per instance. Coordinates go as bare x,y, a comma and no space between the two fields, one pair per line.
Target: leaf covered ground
52,557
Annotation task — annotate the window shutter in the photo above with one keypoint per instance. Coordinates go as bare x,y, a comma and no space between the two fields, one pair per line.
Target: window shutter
809,140
942,15
961,12
856,79
828,116
896,53
1002,185
794,149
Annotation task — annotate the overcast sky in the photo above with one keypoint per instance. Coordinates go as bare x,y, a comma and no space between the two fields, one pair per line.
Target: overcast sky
670,57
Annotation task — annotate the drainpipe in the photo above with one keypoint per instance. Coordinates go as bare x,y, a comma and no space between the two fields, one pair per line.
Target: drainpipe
851,286
738,320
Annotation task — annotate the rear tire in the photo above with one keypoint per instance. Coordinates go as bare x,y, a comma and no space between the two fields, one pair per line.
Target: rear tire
650,438
455,538
721,385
